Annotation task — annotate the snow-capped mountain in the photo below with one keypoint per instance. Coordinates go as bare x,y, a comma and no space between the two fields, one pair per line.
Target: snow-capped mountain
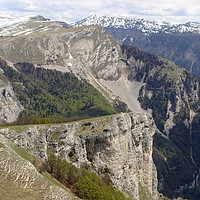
13,26
9,21
145,26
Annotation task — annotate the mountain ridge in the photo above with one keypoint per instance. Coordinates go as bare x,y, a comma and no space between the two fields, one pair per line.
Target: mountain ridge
146,26
176,42
13,26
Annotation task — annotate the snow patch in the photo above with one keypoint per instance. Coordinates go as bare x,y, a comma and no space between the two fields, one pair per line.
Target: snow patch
27,33
70,56
9,21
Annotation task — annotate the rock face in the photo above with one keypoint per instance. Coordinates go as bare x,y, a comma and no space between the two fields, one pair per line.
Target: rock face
82,51
9,104
118,146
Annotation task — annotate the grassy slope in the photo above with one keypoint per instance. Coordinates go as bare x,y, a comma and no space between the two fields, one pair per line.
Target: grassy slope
20,180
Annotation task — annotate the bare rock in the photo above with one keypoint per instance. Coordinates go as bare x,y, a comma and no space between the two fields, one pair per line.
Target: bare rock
10,106
118,146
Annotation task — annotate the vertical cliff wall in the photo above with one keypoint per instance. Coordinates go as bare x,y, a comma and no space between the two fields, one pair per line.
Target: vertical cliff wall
118,146
10,106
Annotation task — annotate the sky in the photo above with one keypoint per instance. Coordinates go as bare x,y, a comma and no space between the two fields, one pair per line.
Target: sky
179,11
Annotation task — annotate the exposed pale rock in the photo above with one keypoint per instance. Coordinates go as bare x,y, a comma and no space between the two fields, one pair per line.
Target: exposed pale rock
9,104
120,145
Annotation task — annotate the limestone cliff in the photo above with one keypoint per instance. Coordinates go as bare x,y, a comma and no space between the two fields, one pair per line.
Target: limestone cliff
119,146
89,53
10,106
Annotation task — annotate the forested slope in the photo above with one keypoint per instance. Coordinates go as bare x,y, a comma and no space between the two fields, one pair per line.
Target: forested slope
53,94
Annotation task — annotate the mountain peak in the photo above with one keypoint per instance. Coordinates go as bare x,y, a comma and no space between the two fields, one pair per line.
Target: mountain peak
13,26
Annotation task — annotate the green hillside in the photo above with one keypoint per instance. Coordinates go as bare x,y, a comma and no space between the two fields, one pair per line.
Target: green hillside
53,94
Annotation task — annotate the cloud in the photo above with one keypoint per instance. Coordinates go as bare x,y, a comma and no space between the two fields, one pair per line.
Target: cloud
75,10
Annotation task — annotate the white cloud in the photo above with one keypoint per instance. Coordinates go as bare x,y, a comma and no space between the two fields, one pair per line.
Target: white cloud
67,10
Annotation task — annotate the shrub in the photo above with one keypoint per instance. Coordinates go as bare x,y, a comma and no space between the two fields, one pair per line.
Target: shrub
86,184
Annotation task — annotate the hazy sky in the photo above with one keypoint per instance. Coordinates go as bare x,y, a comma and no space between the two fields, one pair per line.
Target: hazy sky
74,10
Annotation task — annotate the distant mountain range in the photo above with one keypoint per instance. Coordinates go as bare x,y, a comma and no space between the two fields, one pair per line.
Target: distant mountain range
147,27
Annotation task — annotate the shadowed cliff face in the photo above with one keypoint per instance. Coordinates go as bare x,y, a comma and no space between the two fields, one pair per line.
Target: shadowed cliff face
181,48
118,146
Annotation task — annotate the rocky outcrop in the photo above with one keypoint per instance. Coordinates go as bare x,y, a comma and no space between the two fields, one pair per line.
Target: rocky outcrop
10,106
118,146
